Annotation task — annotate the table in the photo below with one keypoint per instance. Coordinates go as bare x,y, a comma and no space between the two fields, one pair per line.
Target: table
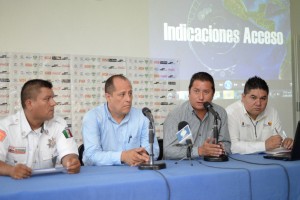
236,180
204,180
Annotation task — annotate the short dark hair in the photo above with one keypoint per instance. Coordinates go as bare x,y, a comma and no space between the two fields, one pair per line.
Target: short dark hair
31,89
109,83
256,83
202,76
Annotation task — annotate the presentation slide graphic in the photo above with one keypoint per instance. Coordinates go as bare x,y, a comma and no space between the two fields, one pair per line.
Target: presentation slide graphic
232,40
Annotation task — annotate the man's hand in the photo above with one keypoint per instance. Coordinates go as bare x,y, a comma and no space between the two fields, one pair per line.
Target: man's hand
273,142
287,143
71,163
20,171
208,149
134,157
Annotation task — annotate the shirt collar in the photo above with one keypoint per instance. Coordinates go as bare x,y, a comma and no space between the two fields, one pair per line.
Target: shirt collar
191,110
45,128
126,118
25,127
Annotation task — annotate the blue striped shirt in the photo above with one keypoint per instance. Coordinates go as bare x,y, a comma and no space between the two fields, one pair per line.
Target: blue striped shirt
105,139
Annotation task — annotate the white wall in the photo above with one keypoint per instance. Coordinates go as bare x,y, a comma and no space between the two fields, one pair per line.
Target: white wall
100,27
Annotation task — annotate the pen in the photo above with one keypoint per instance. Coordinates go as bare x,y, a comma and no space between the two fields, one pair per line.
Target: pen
129,138
283,133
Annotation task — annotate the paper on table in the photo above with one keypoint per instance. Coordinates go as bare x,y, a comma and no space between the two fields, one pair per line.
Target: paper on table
278,150
48,171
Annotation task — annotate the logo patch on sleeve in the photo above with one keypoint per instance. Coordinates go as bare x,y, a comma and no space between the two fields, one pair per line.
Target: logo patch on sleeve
2,135
17,150
67,133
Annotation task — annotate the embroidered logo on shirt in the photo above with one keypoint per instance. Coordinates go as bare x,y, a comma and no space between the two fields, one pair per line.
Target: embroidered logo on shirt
270,123
245,125
2,135
52,142
17,150
267,124
67,133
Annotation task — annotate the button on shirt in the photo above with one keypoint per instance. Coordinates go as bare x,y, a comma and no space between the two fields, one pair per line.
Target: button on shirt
35,148
201,130
105,139
248,135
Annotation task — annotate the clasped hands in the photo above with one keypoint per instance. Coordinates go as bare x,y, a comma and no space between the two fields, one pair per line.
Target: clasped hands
135,157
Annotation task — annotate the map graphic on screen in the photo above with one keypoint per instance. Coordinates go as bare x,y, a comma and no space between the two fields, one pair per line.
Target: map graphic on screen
231,39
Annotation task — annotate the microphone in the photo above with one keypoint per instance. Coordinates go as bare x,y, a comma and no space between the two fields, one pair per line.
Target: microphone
209,107
151,165
185,138
184,133
147,112
182,124
222,157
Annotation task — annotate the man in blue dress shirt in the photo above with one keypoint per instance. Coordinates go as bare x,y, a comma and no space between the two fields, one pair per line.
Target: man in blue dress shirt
115,132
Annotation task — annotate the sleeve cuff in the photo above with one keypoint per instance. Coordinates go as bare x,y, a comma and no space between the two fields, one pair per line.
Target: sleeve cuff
116,158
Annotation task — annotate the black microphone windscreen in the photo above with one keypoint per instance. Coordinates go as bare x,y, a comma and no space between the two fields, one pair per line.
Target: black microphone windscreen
181,125
207,105
145,110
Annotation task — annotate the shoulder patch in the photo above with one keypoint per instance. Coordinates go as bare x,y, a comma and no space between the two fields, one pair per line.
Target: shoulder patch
2,135
67,133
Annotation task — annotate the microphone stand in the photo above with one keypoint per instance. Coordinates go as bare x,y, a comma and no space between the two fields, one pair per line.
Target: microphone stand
223,157
189,145
151,165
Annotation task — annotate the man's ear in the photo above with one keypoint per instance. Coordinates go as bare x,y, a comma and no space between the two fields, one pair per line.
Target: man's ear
243,96
29,104
107,97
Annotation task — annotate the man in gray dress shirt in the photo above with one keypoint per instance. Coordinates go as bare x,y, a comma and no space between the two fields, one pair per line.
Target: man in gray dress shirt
201,122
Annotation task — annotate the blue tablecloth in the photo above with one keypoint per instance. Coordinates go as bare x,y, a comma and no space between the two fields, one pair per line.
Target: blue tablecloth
204,180
235,179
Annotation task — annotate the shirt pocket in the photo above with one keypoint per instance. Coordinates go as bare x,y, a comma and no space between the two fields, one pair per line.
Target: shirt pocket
247,133
266,132
48,158
14,159
134,141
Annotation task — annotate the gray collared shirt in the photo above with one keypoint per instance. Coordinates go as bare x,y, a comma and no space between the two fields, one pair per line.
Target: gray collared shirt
201,130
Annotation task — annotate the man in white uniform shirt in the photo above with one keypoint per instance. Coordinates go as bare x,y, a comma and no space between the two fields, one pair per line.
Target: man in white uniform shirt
253,125
34,138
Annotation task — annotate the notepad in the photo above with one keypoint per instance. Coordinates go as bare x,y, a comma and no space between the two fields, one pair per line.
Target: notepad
278,150
48,171
293,154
